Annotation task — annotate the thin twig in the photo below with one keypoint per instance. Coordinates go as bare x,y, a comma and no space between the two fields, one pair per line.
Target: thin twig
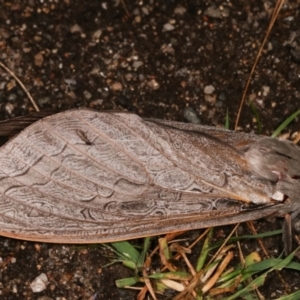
253,230
21,84
125,8
276,11
224,243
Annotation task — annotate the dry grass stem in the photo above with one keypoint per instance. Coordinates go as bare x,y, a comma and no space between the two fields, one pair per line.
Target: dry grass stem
218,273
274,16
21,85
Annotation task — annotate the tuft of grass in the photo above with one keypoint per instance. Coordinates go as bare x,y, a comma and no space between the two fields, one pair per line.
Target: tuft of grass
206,278
266,266
129,255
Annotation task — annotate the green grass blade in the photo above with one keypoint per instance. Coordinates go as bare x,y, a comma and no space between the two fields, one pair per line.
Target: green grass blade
256,115
227,120
294,296
126,251
205,250
255,236
121,283
284,124
142,256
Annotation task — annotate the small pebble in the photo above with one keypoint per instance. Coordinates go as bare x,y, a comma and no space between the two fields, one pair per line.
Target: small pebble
2,85
137,64
145,10
39,59
266,90
137,19
9,108
222,97
87,95
191,116
213,12
209,89
75,28
168,27
12,97
97,102
70,81
210,98
179,10
117,86
97,34
43,100
153,84
39,283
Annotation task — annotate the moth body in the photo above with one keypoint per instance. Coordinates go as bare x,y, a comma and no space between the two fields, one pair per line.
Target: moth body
83,176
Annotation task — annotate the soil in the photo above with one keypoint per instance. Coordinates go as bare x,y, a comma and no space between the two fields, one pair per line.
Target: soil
176,60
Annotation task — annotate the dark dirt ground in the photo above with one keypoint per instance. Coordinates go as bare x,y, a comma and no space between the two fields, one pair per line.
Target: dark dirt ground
159,60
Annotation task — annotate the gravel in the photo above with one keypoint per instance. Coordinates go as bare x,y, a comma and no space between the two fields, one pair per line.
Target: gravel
179,60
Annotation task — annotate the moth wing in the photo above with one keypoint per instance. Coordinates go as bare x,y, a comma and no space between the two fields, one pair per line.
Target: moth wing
85,176
239,140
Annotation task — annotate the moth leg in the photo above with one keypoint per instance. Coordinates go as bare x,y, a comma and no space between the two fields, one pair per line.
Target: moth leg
291,225
287,234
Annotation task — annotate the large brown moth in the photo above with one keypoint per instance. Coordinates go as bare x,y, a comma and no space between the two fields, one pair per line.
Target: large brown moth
83,176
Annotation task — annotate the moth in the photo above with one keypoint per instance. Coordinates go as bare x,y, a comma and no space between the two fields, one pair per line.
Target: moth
83,176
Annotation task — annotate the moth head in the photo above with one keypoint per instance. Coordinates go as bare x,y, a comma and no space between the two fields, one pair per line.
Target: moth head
278,161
